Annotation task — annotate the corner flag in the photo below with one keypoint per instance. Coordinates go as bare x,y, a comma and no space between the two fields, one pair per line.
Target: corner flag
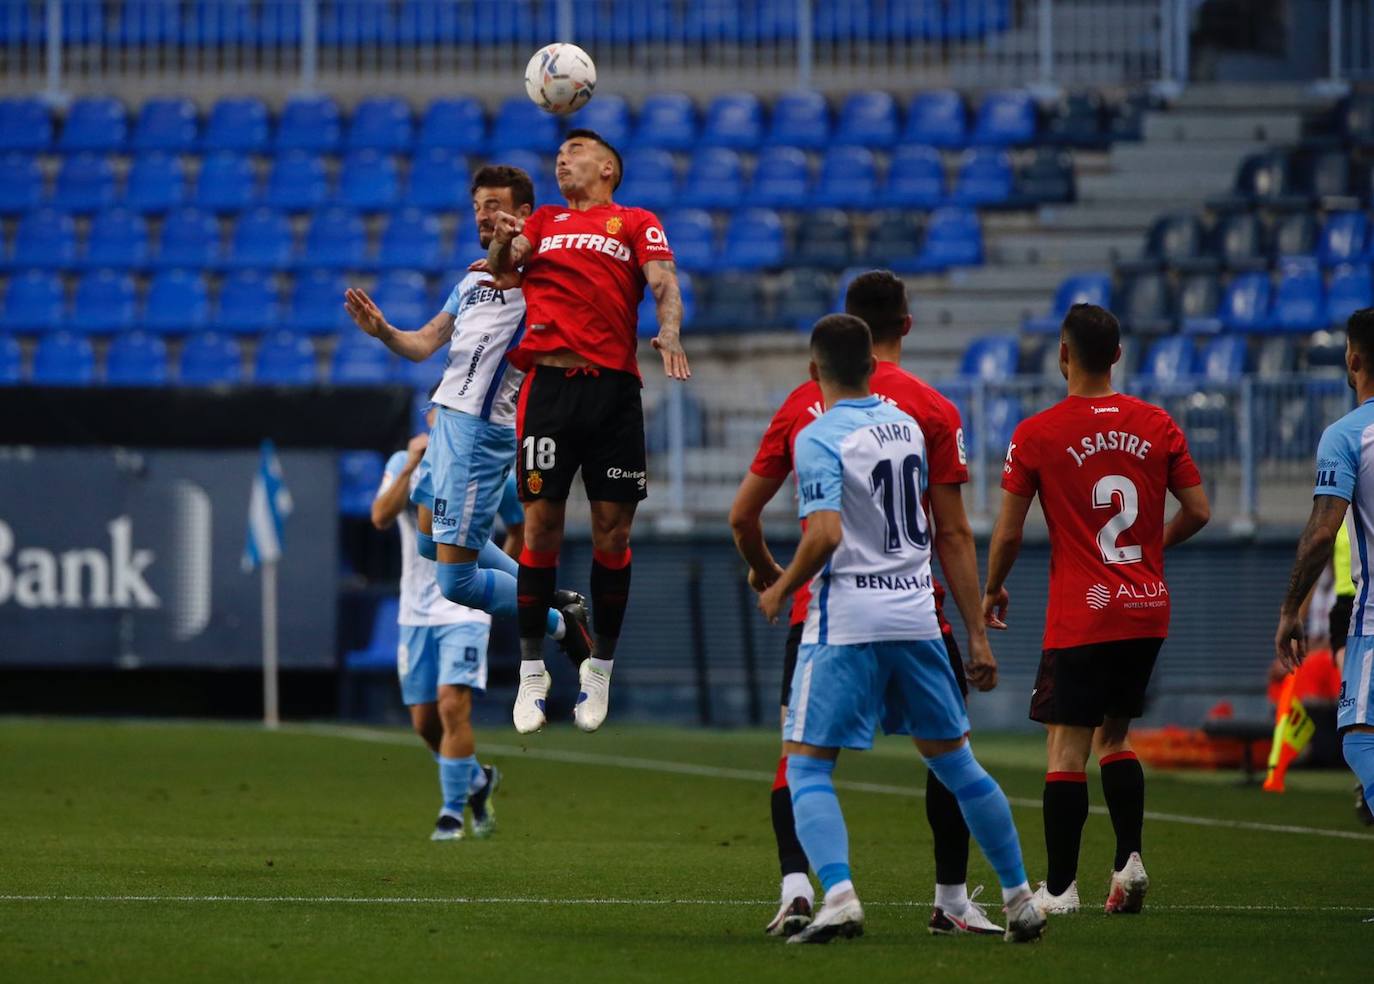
268,506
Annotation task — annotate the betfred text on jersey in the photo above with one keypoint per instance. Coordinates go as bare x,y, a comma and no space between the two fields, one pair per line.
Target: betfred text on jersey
1112,440
589,241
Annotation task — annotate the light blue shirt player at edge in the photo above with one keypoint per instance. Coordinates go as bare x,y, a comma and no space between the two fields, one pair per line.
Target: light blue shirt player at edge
871,649
1343,493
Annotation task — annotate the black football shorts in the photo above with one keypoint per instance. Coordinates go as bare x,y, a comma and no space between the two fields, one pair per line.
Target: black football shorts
1084,684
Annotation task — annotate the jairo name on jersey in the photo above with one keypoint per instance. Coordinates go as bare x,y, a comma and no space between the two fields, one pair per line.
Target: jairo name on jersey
884,582
1108,441
886,433
588,241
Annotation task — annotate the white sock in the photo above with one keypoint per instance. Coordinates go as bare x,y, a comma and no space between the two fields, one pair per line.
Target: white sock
1009,895
604,665
797,885
951,898
479,781
562,629
531,667
845,887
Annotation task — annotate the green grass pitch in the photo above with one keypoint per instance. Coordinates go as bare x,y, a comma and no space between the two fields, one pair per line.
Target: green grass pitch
171,852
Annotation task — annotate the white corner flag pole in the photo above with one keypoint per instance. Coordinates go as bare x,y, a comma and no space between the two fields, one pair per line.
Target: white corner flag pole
271,714
268,506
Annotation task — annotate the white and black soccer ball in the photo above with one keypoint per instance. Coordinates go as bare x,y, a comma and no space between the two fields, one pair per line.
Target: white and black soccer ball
560,78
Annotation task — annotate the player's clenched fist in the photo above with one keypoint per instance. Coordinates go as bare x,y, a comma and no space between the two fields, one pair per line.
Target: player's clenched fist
507,227
415,450
982,665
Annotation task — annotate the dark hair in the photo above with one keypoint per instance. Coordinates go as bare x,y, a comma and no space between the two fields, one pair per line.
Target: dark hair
1359,330
842,347
595,137
1093,335
505,176
878,297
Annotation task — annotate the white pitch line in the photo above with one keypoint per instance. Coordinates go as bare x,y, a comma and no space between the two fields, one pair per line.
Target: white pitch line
756,775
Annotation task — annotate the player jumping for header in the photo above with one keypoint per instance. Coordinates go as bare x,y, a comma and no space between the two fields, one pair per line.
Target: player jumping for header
585,266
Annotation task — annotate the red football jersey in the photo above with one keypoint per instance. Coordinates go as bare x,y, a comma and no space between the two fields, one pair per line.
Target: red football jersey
584,281
1102,466
937,416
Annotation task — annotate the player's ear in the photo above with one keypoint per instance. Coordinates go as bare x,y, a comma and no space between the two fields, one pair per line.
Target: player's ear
906,325
814,370
872,365
1117,358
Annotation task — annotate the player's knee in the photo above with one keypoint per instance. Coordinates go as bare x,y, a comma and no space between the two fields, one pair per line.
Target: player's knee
461,584
455,706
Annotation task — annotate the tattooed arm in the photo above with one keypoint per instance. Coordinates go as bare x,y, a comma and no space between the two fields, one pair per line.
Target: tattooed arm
1314,553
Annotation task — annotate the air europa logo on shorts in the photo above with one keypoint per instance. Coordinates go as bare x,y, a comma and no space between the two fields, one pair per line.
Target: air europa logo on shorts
637,476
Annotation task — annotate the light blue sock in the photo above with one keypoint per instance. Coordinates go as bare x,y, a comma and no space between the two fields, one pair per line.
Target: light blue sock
1359,755
485,589
494,558
819,822
425,546
455,776
986,811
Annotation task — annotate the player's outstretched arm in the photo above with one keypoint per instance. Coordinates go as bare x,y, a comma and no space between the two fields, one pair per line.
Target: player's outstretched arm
417,346
508,250
1003,549
822,536
959,561
662,278
1193,513
392,497
746,525
1314,553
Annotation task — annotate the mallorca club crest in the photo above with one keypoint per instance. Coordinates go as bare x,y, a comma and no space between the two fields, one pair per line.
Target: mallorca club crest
614,225
534,482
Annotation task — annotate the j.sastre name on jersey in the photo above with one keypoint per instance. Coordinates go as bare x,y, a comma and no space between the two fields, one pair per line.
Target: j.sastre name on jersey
892,582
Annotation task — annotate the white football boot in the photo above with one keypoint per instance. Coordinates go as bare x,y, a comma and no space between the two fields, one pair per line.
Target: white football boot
1063,904
793,916
1129,885
974,919
1025,919
530,699
842,918
593,698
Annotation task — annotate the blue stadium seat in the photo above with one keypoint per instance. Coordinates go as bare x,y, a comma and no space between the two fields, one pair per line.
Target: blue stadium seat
212,23
916,178
360,476
240,124
840,23
317,302
985,178
753,241
285,359
248,303
693,238
210,359
540,170
336,240
867,119
148,22
1295,234
136,358
421,376
1174,239
402,296
279,25
156,183
410,241
298,182
800,119
427,22
1224,359
94,123
715,179
34,301
1344,239
466,248
1199,301
178,301
1047,177
991,358
1351,289
521,125
25,124
1146,304
953,238
733,120
63,359
349,23
1237,241
310,123
11,361
650,179
454,124
381,123
85,183
1300,300
1245,305
1005,119
21,183
190,239
438,181
166,124
825,239
848,179
83,21
227,182
45,238
118,239
894,241
667,120
1170,361
262,240
782,178
370,181
104,303
648,307
360,361
608,116
937,119
1083,288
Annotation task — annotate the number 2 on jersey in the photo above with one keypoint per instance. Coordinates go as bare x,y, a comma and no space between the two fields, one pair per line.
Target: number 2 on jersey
885,482
1118,491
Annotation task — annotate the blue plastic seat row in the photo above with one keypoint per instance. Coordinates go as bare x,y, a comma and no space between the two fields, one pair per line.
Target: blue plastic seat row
1244,241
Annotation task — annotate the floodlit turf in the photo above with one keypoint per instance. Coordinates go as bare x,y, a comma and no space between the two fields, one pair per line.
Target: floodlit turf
305,834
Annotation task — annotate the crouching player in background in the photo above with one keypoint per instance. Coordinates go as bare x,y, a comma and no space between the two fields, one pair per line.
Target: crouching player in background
872,646
442,657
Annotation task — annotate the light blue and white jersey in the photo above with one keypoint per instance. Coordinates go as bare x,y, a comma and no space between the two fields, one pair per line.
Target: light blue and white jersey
1345,469
477,379
422,603
866,460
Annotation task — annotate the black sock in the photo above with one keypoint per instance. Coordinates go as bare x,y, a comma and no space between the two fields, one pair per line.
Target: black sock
535,585
610,594
1123,784
950,832
791,856
1066,810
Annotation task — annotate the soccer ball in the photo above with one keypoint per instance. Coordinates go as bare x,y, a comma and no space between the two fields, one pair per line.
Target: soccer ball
560,78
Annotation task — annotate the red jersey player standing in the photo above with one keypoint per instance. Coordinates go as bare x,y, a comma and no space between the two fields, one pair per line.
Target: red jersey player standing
585,267
879,299
1101,463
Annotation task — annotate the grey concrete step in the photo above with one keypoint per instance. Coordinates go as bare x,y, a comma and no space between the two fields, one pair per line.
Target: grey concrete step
1149,187
976,311
1101,217
1206,126
1064,253
1153,157
1251,96
999,279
